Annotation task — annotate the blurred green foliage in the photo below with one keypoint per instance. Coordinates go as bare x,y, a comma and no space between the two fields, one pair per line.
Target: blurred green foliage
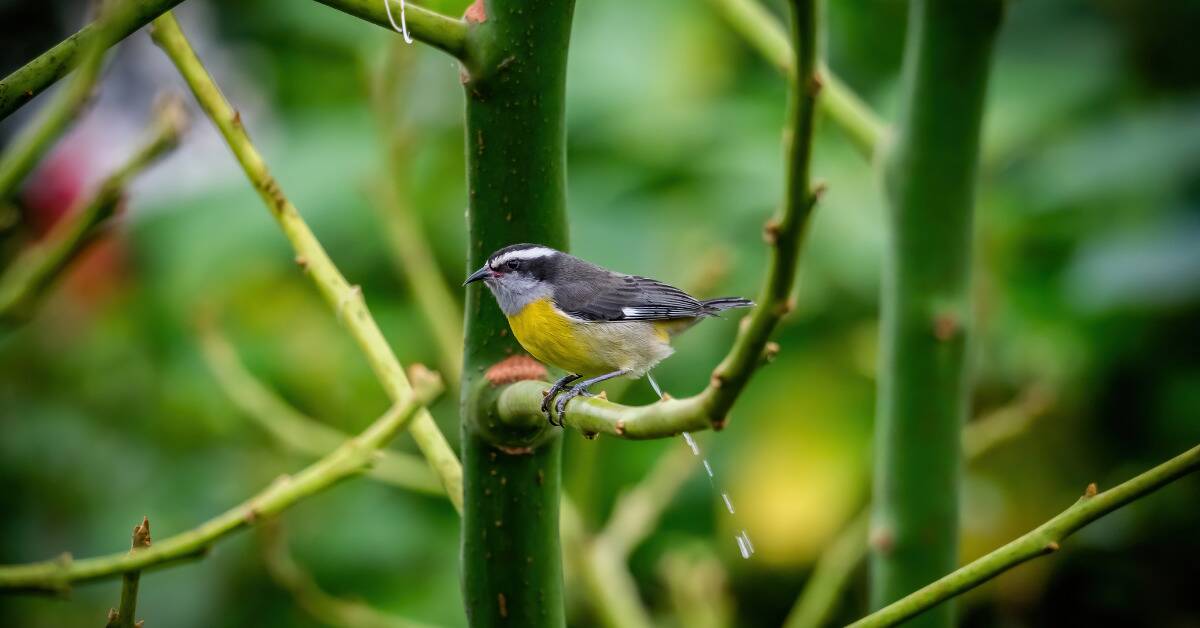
1087,282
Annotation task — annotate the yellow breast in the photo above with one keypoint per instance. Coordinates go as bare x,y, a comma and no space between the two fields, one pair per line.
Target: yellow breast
553,338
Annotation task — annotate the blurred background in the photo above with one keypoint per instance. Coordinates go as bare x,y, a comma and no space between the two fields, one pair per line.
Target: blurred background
1087,290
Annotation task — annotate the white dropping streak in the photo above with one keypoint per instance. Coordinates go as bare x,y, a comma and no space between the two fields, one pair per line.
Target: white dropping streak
743,547
403,27
687,437
742,538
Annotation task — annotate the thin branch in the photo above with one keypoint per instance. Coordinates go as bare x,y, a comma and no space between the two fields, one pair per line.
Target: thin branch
350,459
1045,539
442,32
347,300
821,593
125,615
518,405
296,432
322,606
764,33
47,68
27,277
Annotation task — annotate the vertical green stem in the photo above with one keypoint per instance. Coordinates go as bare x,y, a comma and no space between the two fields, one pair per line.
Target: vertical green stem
923,385
514,77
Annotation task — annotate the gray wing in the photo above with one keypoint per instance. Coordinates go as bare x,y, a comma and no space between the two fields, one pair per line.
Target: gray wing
626,298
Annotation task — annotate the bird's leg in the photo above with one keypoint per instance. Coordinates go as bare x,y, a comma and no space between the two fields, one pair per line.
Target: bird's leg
582,389
554,390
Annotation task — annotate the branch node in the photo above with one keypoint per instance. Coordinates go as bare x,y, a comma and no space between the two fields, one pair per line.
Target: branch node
819,188
881,540
771,231
500,600
1052,546
945,327
815,83
1091,490
302,262
770,352
717,380
141,534
476,13
620,428
513,369
719,424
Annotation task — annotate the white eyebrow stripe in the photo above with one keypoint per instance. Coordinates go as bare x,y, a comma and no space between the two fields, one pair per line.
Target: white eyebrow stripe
531,253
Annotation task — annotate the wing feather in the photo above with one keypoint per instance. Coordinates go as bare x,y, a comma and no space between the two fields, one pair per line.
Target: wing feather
628,298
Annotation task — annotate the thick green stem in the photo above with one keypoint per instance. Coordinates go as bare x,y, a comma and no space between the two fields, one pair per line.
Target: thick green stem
34,77
923,385
515,83
1045,539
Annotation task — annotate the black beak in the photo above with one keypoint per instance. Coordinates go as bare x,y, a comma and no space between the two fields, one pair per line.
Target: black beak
482,273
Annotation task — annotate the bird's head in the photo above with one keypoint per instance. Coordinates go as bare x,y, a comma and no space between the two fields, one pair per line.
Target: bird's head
519,274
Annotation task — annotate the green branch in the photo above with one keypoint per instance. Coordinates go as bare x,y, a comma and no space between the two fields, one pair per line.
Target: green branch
348,460
27,277
296,432
347,300
764,33
929,180
124,615
444,33
1045,539
518,405
34,77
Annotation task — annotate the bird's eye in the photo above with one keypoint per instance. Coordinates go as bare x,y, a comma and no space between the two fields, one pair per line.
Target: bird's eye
513,264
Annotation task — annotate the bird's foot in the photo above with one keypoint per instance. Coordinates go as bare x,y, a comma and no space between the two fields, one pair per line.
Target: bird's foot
560,406
550,394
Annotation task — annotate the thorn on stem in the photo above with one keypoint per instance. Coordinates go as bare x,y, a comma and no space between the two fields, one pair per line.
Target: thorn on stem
1091,490
717,380
302,262
1052,546
770,351
620,427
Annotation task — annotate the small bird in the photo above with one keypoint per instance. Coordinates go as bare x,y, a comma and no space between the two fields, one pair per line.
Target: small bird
591,322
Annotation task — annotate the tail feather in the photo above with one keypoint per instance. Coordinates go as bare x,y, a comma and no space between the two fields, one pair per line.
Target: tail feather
712,307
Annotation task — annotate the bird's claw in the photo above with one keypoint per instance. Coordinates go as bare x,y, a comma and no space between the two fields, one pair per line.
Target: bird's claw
560,406
549,395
